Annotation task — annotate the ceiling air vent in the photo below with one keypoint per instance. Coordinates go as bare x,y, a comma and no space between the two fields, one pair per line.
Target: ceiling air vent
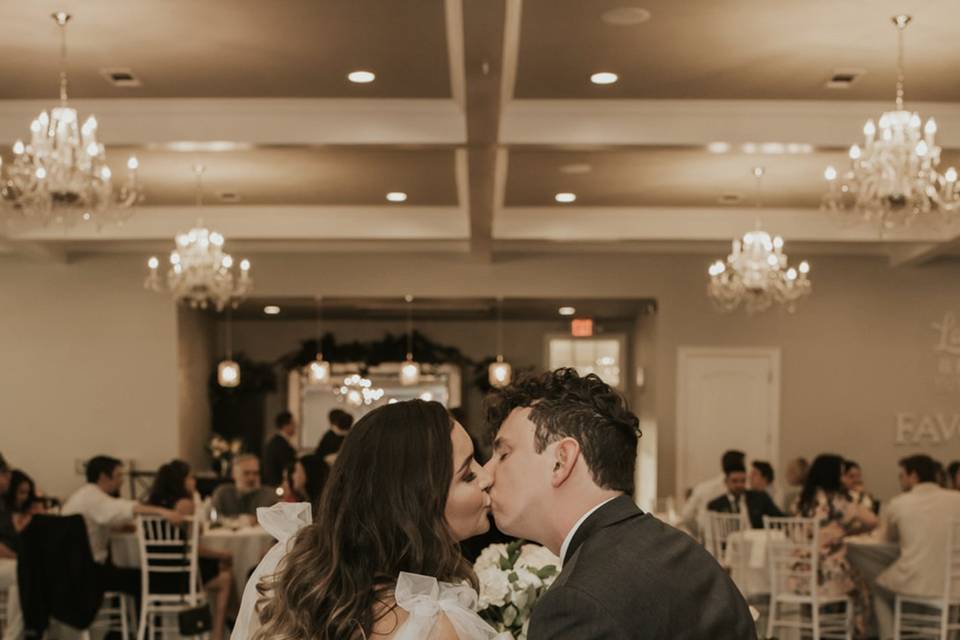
730,198
844,78
120,77
229,196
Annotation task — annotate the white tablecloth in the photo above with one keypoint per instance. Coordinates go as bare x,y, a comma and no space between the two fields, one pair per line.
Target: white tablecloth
247,545
746,555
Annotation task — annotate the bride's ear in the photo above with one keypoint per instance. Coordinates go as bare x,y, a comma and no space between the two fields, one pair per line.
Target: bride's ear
566,453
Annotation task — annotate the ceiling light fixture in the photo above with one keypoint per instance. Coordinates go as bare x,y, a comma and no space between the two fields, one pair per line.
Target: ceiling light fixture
318,371
567,311
361,77
565,198
604,77
397,196
893,179
499,373
62,172
409,369
271,310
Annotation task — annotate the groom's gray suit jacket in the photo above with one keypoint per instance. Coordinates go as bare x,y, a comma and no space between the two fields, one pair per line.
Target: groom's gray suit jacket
629,576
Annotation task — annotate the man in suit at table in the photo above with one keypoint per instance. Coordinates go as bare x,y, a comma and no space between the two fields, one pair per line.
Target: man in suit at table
738,499
280,451
563,475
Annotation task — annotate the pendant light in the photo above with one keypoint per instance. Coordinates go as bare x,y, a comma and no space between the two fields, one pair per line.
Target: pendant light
500,373
228,371
318,371
409,370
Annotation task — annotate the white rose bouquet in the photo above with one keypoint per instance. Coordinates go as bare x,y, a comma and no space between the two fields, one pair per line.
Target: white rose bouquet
512,578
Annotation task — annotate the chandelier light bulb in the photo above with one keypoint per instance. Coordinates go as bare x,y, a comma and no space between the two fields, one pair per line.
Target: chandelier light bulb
915,120
922,148
319,371
227,262
830,174
500,373
869,129
18,147
855,152
804,267
244,265
153,263
778,243
132,163
105,174
228,374
41,173
931,127
409,372
950,175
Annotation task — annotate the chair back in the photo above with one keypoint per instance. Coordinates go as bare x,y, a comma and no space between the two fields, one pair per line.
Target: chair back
719,528
793,555
952,590
166,548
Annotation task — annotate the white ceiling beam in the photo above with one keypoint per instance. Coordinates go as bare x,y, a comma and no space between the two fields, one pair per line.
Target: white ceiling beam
700,122
301,121
248,222
453,14
915,255
53,253
590,224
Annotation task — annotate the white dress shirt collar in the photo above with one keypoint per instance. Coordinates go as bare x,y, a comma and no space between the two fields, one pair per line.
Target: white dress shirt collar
576,525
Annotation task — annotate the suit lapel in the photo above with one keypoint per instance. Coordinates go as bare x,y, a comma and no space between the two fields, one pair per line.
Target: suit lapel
617,510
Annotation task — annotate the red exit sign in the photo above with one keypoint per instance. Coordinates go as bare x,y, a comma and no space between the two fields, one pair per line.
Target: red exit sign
581,327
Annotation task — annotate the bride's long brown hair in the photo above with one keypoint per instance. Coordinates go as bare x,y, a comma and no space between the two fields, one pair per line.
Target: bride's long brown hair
381,512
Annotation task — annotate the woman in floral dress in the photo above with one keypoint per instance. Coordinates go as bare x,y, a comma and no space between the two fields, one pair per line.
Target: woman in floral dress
825,498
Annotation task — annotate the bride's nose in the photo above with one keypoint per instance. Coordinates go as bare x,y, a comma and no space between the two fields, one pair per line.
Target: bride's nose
485,477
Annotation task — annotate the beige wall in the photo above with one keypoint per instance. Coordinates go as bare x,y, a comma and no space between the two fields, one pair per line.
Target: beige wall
88,366
857,353
196,353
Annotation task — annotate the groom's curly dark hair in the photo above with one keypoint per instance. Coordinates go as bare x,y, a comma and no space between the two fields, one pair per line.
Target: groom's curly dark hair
585,408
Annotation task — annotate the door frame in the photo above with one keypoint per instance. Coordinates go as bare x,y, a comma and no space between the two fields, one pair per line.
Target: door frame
684,354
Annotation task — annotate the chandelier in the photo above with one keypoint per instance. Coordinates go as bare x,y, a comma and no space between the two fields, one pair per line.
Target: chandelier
756,274
318,371
200,272
893,179
409,368
358,391
499,373
61,175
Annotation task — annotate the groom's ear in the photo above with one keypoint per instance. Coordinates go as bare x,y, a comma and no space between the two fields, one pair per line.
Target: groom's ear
566,454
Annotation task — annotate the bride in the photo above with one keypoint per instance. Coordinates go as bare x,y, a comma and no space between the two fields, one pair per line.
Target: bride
381,560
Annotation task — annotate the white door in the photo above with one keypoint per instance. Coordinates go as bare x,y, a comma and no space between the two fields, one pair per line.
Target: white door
726,399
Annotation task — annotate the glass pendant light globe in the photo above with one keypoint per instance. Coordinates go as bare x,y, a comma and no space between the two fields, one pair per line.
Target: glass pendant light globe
409,372
319,371
500,373
228,374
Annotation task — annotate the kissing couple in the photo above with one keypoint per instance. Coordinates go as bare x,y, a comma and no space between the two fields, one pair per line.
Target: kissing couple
381,560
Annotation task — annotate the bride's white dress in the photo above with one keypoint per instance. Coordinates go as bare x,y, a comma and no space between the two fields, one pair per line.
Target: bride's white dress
424,598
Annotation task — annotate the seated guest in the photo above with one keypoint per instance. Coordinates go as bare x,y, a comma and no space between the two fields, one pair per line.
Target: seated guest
796,476
174,488
316,471
245,494
853,483
8,532
103,511
919,521
693,515
940,473
825,499
737,499
953,475
21,499
281,450
761,479
294,486
340,423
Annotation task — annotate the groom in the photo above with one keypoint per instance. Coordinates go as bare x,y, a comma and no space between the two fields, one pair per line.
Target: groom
563,471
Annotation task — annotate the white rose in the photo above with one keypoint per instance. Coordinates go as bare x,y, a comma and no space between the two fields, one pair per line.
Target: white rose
494,587
526,579
490,557
535,557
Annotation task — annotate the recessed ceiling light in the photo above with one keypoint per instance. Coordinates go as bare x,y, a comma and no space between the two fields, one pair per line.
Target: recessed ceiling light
271,310
565,198
397,196
604,77
567,311
576,168
718,147
626,16
361,77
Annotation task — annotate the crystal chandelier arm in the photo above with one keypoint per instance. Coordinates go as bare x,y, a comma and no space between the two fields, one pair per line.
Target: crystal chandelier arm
61,19
901,23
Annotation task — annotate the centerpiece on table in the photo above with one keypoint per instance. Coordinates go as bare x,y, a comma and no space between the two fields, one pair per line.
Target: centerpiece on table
222,453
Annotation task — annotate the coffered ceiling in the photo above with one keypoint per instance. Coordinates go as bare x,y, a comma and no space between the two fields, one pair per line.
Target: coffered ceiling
481,112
